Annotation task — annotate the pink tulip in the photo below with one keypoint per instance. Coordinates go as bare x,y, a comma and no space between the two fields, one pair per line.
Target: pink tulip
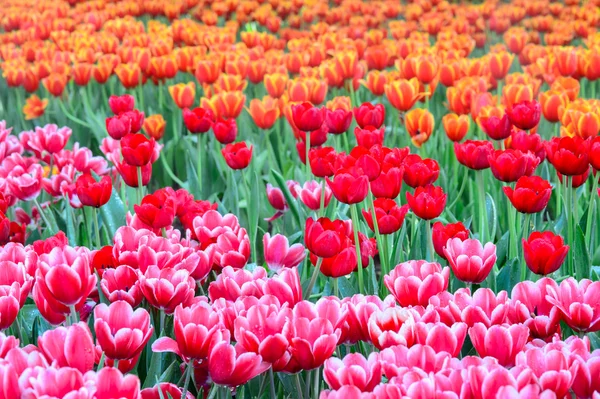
279,254
483,307
167,288
111,383
350,392
7,343
392,326
212,224
9,382
284,285
502,342
49,139
310,194
121,332
69,347
50,309
470,261
277,201
396,359
585,382
25,184
354,370
232,284
163,391
441,337
578,303
121,284
413,282
65,382
530,307
360,308
228,365
551,368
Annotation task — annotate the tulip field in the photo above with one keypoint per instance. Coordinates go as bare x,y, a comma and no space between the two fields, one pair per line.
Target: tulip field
299,199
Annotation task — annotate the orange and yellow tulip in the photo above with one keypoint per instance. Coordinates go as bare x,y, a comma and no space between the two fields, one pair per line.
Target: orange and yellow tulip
551,101
456,126
264,112
183,94
402,93
419,124
154,126
34,107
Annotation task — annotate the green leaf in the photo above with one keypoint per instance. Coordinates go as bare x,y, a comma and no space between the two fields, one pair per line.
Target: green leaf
347,286
594,340
288,197
70,219
502,249
492,215
113,213
582,262
508,276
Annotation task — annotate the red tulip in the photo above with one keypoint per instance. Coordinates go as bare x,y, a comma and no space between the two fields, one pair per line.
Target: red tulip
577,303
121,104
427,202
412,283
524,141
544,252
420,172
167,288
196,329
325,238
440,235
307,117
338,121
120,125
510,165
369,136
69,347
474,154
322,161
502,342
569,155
594,154
390,216
198,120
495,127
525,115
368,114
156,210
353,370
389,182
91,192
225,130
530,195
279,254
228,366
137,150
470,261
238,155
349,186
121,332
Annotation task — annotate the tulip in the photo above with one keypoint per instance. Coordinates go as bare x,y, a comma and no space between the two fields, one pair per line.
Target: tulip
349,186
64,382
128,74
576,301
440,235
322,161
121,283
390,216
474,154
225,130
530,195
337,121
306,117
403,93
55,83
25,184
129,174
375,82
110,382
275,84
524,115
183,94
229,367
496,127
502,342
531,307
156,210
568,155
510,165
324,238
470,261
419,124
93,193
368,114
456,126
137,150
198,120
353,370
264,112
391,326
369,136
10,382
427,202
389,182
121,104
167,288
279,254
310,194
69,347
163,391
420,172
237,155
551,102
544,252
34,107
154,126
524,142
412,283
208,71
584,385
500,64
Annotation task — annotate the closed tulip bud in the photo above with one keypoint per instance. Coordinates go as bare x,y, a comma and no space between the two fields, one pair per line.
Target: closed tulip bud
495,126
129,174
544,252
137,150
456,126
375,82
427,202
207,71
440,235
118,126
337,121
389,182
120,283
121,104
412,283
353,371
510,165
198,120
470,261
419,124
369,115
225,130
420,172
500,64
91,192
349,186
230,104
183,94
306,117
390,216
264,112
551,101
474,154
530,195
276,84
156,210
55,83
369,136
129,74
154,126
524,115
310,195
568,155
237,155
566,60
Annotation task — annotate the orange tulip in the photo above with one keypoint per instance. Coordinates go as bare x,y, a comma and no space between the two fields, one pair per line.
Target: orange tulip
227,82
183,94
402,93
456,126
451,72
102,72
295,60
154,126
419,124
256,71
298,90
375,82
31,82
566,60
34,107
567,84
230,104
516,39
346,63
500,64
551,101
581,118
237,66
55,83
264,112
207,71
426,68
82,73
377,57
212,103
275,84
339,102
129,75
329,72
516,93
14,75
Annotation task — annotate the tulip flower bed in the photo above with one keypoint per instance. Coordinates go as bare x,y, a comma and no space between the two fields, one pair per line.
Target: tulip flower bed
299,199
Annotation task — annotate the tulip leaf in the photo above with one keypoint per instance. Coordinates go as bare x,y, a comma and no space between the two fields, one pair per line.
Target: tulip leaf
33,324
581,255
288,197
492,215
509,275
113,213
347,286
192,178
70,220
594,340
502,249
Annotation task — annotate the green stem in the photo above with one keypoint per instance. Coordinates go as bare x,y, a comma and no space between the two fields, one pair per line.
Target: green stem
307,150
354,214
430,241
74,317
313,278
200,148
377,233
44,218
162,322
317,382
140,187
570,221
170,172
307,384
298,386
591,210
482,216
116,363
188,375
272,383
251,231
97,229
322,202
513,240
524,234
